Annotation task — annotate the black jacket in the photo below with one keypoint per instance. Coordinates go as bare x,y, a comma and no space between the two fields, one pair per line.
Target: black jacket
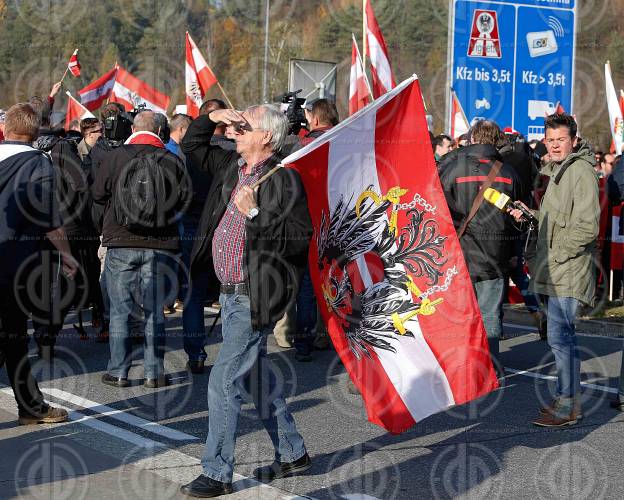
103,191
487,241
277,239
72,186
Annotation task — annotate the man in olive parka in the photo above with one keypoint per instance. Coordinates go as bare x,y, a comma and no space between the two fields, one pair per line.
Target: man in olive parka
563,265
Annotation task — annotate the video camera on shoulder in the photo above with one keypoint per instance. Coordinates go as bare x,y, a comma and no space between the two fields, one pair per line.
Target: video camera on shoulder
292,107
118,128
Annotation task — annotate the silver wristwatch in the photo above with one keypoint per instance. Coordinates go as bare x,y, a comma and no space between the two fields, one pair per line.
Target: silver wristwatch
252,213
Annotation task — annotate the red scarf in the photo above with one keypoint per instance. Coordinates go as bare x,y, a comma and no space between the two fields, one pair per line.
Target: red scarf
146,138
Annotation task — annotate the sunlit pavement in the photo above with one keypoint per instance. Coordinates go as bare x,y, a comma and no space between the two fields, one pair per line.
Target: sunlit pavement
142,443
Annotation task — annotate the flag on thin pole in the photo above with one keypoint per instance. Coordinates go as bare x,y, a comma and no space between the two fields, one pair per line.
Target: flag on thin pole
459,122
615,112
359,90
387,267
199,77
75,111
133,92
74,64
95,94
383,78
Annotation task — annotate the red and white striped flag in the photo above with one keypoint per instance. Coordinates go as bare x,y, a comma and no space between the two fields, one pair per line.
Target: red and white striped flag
383,78
75,111
74,64
387,267
199,77
616,120
95,94
459,122
132,92
359,92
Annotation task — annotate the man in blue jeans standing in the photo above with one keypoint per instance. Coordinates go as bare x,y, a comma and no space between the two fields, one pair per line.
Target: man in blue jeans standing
253,239
196,290
563,267
140,232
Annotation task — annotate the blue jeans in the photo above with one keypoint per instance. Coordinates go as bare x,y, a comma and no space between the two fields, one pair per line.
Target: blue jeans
521,279
306,315
133,278
194,294
562,341
490,297
243,368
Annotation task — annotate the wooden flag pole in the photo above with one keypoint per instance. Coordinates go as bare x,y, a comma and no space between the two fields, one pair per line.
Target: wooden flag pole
225,95
267,175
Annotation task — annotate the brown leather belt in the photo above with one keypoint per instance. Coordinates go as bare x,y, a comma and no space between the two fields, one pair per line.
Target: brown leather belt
237,289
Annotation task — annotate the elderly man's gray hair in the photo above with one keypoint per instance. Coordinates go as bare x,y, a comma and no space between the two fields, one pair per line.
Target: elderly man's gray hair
270,118
146,121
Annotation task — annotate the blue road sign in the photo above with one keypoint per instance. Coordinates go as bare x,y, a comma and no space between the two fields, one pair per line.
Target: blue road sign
512,61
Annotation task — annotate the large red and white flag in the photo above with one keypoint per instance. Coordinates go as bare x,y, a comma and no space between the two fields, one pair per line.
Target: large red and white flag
199,77
616,120
74,64
75,111
459,122
95,94
359,92
387,267
132,92
383,78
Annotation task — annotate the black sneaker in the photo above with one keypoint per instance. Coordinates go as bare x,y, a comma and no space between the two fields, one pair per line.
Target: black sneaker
195,367
617,404
278,470
108,379
154,383
205,487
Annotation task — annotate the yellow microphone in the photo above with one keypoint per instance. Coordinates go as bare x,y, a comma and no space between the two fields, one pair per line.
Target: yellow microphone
505,204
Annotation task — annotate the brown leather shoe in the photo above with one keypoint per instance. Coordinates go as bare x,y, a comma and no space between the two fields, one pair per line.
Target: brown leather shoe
577,410
553,420
52,416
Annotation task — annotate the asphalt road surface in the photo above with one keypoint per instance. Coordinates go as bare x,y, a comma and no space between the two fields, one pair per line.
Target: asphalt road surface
144,443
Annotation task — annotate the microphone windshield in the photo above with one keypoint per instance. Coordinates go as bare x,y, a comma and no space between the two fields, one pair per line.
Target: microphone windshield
496,198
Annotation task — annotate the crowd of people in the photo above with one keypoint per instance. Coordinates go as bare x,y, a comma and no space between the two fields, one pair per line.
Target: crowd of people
135,216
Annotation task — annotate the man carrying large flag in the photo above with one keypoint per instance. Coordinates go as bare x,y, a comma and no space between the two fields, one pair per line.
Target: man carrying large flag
387,266
359,91
383,78
199,78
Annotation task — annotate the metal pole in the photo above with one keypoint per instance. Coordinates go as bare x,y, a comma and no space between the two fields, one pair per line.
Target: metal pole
265,77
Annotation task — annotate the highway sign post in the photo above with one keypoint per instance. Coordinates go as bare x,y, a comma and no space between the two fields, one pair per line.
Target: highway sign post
512,61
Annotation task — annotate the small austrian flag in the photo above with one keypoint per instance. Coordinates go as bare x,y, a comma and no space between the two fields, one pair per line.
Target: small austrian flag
74,65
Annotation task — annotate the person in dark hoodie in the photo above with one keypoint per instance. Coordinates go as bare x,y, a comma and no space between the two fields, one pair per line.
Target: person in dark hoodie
74,195
140,232
486,244
28,215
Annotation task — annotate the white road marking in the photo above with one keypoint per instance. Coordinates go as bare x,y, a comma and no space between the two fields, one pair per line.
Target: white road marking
531,374
120,415
532,329
92,422
172,465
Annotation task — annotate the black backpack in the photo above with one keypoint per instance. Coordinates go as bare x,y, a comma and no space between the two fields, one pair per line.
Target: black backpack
141,199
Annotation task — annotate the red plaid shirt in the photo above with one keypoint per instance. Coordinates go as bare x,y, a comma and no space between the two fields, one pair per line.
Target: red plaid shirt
228,242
